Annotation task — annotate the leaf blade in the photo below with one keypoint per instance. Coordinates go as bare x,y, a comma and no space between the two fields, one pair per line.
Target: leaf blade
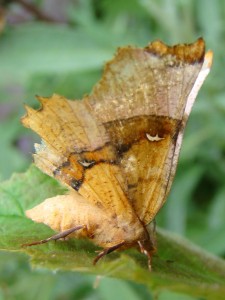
178,266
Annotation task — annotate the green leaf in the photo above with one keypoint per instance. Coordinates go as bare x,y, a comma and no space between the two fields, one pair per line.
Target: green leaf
178,265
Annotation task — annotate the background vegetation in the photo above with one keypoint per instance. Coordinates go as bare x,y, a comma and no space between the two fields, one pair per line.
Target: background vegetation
60,46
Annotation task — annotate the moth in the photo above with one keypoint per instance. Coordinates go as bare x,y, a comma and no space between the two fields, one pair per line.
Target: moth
117,149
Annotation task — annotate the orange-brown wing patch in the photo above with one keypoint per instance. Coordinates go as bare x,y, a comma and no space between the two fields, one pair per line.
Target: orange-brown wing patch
97,177
145,146
77,152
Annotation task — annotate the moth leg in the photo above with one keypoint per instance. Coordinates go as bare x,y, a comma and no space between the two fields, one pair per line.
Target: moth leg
107,251
147,253
57,236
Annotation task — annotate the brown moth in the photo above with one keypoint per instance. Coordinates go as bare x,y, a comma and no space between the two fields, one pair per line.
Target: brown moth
117,149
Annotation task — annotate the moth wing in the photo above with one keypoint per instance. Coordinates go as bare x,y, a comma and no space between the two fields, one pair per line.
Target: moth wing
64,212
75,151
143,100
122,142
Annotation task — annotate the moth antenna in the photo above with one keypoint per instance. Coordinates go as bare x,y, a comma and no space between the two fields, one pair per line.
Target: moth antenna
107,251
56,237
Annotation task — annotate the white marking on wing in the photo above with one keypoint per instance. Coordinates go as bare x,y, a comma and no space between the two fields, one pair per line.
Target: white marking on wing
155,138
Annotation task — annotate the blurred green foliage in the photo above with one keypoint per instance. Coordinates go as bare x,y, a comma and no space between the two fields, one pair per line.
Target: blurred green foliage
66,56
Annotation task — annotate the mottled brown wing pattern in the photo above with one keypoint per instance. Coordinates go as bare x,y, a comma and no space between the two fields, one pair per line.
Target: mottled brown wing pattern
155,80
77,152
65,127
117,149
144,93
145,159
